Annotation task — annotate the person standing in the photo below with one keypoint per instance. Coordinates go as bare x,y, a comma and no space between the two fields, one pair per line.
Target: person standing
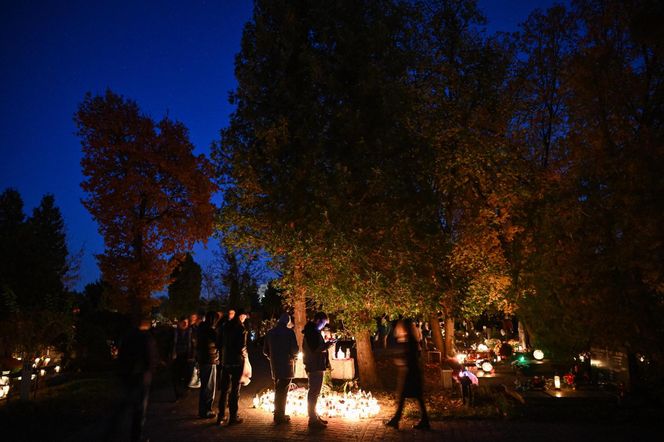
280,347
182,356
316,361
193,365
208,359
410,385
234,354
137,360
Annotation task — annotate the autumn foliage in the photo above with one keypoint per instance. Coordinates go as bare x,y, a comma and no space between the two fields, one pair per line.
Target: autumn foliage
147,191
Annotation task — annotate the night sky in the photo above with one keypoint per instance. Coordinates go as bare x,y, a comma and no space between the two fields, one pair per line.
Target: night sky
172,57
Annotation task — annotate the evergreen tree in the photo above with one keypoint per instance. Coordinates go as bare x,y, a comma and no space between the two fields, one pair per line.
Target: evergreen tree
13,259
184,292
36,311
48,251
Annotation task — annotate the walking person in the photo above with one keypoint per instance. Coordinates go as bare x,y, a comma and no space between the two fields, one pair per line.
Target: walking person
316,361
208,359
182,356
280,347
410,385
234,355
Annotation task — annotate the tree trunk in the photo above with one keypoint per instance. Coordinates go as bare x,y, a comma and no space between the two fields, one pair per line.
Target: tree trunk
437,335
450,349
365,361
299,315
299,309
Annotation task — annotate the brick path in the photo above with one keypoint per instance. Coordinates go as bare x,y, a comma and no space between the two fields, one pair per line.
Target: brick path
168,422
178,422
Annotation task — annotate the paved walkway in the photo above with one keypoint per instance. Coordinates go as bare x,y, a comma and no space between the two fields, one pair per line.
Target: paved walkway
178,422
168,422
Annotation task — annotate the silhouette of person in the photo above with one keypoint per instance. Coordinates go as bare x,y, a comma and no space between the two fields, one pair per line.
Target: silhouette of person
182,356
280,347
316,361
208,359
137,361
410,385
234,353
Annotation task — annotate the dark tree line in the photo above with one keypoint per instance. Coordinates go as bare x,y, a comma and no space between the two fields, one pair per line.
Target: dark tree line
35,265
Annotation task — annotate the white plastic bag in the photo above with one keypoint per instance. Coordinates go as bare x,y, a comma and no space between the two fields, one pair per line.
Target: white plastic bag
246,373
195,381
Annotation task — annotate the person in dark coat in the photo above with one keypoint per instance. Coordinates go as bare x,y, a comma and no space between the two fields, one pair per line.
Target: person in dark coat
280,347
316,361
137,361
208,359
194,322
234,352
182,356
411,381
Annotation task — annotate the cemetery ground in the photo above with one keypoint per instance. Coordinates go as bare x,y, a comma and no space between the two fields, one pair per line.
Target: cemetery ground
77,408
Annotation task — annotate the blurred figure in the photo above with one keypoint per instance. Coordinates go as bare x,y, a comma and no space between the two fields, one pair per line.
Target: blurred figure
234,354
280,347
316,361
466,380
137,361
208,359
383,331
410,385
182,356
426,336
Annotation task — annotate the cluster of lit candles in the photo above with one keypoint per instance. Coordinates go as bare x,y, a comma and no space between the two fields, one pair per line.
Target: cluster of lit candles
353,406
4,385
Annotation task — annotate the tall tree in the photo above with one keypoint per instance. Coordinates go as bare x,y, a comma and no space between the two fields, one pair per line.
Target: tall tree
146,189
465,110
319,156
595,229
538,131
184,291
48,249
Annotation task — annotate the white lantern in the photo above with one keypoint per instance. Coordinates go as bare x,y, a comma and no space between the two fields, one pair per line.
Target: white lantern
538,354
487,367
461,357
556,382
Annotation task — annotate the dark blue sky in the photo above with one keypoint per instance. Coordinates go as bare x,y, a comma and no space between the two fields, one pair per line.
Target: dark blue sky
170,56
